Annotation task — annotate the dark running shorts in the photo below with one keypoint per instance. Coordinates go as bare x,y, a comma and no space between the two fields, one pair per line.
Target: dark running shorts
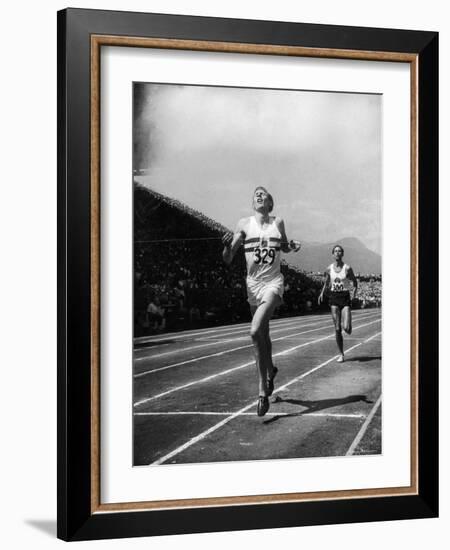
340,299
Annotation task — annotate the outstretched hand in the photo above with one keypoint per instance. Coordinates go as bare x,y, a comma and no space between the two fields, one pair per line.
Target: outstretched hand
227,239
294,245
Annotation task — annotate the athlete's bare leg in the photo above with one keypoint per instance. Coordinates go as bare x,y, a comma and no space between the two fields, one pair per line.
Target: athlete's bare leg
336,314
262,346
269,350
347,319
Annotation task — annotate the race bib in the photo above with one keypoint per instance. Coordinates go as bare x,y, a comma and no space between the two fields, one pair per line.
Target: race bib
337,285
264,256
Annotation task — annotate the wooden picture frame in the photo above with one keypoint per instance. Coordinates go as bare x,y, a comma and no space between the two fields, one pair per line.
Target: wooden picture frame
81,35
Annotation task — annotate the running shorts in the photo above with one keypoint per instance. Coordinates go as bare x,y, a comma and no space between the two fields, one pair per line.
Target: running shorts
257,290
340,299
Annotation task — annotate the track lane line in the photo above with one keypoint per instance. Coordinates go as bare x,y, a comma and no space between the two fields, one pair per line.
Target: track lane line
195,332
279,328
233,369
223,352
218,330
235,328
363,428
245,330
282,323
225,421
208,344
165,354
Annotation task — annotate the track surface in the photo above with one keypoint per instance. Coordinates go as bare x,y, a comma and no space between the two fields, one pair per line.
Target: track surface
195,393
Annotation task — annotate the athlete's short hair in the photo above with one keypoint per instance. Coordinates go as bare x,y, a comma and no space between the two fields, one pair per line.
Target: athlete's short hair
337,246
269,196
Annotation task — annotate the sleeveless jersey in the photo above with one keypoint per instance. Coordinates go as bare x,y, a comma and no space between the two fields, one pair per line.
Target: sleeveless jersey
262,251
339,281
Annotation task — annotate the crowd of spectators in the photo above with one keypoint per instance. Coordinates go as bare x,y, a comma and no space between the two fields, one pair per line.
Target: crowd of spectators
369,291
190,282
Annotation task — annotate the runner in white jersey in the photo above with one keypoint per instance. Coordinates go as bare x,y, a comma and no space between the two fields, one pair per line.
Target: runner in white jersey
264,238
339,277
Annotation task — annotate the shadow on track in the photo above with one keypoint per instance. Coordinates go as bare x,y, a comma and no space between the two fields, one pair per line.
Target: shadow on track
315,406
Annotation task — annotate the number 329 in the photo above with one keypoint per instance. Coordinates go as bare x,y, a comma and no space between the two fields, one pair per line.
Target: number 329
264,256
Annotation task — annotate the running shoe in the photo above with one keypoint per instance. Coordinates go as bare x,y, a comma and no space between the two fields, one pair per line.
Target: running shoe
263,405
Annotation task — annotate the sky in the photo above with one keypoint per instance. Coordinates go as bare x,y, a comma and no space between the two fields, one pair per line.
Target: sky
317,153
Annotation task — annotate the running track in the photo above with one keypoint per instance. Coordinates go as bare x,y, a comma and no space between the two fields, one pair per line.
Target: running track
195,393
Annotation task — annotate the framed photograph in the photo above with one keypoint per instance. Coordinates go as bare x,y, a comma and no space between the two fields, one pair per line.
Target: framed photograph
247,254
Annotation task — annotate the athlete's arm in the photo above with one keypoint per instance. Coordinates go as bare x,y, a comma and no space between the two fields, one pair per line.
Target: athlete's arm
286,246
354,280
232,241
325,285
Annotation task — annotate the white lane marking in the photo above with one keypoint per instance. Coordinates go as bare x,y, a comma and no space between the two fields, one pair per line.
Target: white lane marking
297,378
223,352
199,346
183,334
240,327
190,348
212,413
218,330
214,428
233,369
189,333
246,331
155,345
276,327
374,336
363,428
296,322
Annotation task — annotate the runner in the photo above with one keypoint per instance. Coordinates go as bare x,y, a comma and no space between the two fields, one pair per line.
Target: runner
338,276
264,238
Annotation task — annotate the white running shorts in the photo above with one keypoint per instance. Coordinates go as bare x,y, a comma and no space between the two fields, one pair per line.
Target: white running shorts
257,290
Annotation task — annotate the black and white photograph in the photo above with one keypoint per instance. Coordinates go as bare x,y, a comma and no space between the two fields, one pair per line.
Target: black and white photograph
257,242
223,314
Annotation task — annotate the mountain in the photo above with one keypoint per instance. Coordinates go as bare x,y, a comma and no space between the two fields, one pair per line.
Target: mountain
316,256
